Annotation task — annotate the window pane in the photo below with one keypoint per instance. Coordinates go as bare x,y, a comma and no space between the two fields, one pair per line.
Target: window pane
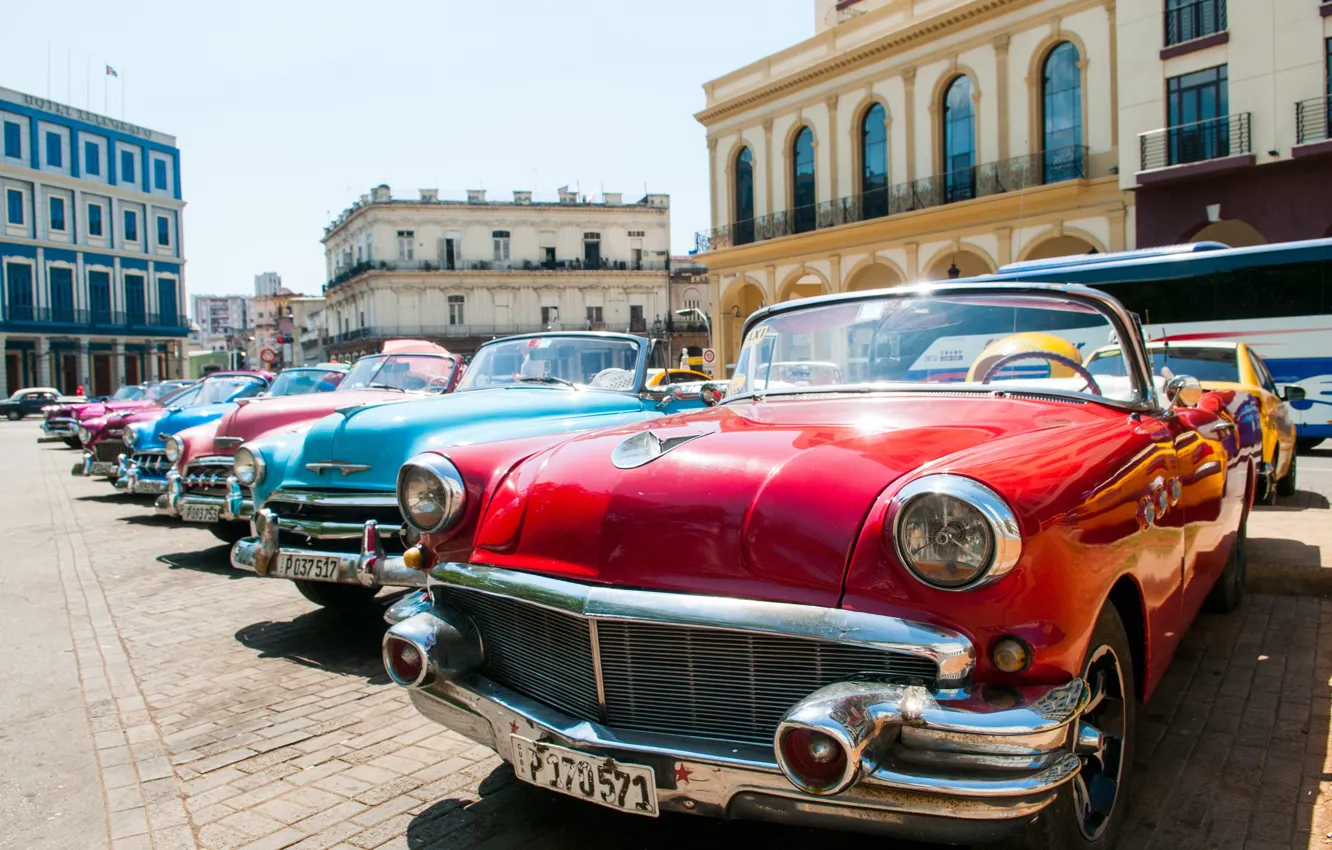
14,203
159,174
57,213
94,220
13,140
802,179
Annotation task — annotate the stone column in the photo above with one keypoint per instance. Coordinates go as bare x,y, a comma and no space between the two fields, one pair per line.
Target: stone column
4,367
84,367
1001,87
152,362
713,191
834,190
118,364
911,122
770,203
43,362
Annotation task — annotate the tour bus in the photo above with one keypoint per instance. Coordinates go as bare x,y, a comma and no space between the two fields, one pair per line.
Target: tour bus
1276,298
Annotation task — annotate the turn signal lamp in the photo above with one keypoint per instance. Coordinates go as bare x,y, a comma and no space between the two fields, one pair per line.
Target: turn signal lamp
1011,655
413,558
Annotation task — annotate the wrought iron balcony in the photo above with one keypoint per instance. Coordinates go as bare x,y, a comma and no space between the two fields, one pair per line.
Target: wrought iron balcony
477,331
573,265
1311,119
20,314
1197,19
992,178
1214,138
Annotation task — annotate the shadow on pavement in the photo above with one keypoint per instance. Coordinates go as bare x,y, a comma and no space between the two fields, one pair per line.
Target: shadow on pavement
117,497
214,559
327,640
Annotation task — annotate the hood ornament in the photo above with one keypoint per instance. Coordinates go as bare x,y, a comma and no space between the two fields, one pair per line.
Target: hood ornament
645,447
342,466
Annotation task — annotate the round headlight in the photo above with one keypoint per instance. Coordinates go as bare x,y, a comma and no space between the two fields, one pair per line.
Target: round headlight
430,493
248,466
954,533
173,449
85,436
131,434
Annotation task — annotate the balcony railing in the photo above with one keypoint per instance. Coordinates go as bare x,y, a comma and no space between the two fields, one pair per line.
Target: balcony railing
1214,138
1197,19
30,315
1311,119
379,332
575,265
992,178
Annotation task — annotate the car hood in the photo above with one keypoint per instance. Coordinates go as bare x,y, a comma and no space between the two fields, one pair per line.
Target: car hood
255,418
761,500
102,408
168,424
384,436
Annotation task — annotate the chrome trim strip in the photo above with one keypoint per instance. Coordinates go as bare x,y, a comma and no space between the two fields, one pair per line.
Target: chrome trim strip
335,498
951,651
345,467
596,666
212,460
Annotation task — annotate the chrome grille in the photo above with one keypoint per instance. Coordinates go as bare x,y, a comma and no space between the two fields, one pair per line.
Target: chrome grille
208,475
678,680
540,653
155,463
108,450
388,516
732,685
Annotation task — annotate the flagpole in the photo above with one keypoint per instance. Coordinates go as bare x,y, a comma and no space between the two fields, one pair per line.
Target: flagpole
105,110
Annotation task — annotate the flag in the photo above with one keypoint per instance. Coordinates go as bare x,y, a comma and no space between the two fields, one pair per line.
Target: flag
111,72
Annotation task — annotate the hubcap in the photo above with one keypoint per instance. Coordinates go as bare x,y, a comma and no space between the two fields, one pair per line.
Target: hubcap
1096,787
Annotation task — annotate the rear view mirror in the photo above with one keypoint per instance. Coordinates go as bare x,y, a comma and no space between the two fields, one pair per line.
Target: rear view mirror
708,393
1183,391
1293,393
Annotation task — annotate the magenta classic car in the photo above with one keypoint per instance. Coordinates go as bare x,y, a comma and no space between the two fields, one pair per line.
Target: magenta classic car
63,419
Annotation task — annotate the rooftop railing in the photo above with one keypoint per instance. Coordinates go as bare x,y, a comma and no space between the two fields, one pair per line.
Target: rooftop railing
992,178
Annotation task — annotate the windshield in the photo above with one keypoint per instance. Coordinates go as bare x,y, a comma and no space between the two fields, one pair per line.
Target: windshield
1203,363
165,389
407,372
982,341
217,390
302,381
597,362
131,393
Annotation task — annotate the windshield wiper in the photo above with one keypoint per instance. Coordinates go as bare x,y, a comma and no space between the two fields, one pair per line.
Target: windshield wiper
385,387
547,379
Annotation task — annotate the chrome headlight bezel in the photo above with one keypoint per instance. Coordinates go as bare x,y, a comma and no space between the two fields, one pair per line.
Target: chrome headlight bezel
999,520
248,466
452,497
85,436
173,449
131,436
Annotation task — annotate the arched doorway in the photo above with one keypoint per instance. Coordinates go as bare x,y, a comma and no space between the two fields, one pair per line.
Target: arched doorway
1232,232
1060,246
954,264
873,276
743,298
805,286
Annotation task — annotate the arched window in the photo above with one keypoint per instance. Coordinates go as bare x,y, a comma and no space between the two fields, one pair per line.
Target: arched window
744,197
959,148
874,163
802,180
1061,98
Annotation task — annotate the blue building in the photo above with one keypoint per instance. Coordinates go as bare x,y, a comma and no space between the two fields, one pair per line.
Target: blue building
92,268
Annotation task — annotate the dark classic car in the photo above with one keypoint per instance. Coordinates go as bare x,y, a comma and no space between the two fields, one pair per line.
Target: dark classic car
30,401
922,595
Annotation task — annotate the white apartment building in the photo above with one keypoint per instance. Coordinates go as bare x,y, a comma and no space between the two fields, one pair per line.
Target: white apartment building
464,271
219,317
267,283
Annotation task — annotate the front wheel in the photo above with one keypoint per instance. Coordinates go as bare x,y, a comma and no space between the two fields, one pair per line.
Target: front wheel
1286,485
1228,592
1089,811
230,532
13,416
343,598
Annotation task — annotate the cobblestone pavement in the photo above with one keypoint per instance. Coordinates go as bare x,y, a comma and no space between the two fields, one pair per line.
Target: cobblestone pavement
225,711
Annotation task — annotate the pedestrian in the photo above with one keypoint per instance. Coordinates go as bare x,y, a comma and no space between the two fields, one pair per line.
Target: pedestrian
80,390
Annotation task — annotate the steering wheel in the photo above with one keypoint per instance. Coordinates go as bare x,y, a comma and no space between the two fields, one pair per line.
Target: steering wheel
1007,359
613,379
438,382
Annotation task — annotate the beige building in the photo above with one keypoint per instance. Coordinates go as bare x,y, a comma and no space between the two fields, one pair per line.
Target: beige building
461,272
912,140
1223,124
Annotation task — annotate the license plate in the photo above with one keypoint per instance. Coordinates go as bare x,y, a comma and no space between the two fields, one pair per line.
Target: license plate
103,467
626,787
200,513
314,567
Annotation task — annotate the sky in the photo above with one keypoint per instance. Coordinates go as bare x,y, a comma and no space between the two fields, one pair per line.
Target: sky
286,112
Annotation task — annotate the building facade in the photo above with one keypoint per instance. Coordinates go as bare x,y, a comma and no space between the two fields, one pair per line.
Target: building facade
267,284
912,140
1224,130
268,342
220,319
462,272
307,326
690,317
91,250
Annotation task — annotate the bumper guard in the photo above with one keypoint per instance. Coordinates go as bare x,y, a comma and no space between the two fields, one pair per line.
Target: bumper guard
371,567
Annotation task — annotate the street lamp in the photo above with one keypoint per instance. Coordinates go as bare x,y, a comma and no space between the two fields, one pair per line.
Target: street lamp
694,311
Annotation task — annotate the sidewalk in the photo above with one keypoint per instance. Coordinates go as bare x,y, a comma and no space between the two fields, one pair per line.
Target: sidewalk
1290,550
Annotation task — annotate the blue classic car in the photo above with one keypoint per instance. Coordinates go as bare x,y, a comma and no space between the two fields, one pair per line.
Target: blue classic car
326,505
144,471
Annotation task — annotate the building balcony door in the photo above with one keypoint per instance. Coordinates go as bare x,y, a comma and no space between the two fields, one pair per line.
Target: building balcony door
13,373
101,376
133,374
68,371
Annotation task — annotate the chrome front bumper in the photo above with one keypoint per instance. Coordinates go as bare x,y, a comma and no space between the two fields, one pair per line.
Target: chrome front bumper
89,466
959,765
231,507
368,568
58,430
137,482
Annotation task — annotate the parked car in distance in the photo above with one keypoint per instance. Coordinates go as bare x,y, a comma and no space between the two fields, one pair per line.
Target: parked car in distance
200,486
63,419
142,469
326,514
924,599
31,400
1234,366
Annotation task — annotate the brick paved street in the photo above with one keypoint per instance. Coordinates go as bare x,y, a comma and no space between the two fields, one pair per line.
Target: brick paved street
215,709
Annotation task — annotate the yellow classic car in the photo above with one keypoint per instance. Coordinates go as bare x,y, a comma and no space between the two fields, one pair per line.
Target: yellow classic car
662,377
1232,366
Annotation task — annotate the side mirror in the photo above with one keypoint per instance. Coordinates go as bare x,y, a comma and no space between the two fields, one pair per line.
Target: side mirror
710,394
1183,391
1292,393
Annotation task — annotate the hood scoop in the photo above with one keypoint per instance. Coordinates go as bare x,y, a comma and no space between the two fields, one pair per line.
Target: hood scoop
645,447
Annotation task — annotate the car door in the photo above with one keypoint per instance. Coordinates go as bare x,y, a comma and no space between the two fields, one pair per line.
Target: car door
1276,413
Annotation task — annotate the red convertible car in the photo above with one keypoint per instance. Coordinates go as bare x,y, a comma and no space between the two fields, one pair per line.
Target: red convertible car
924,595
